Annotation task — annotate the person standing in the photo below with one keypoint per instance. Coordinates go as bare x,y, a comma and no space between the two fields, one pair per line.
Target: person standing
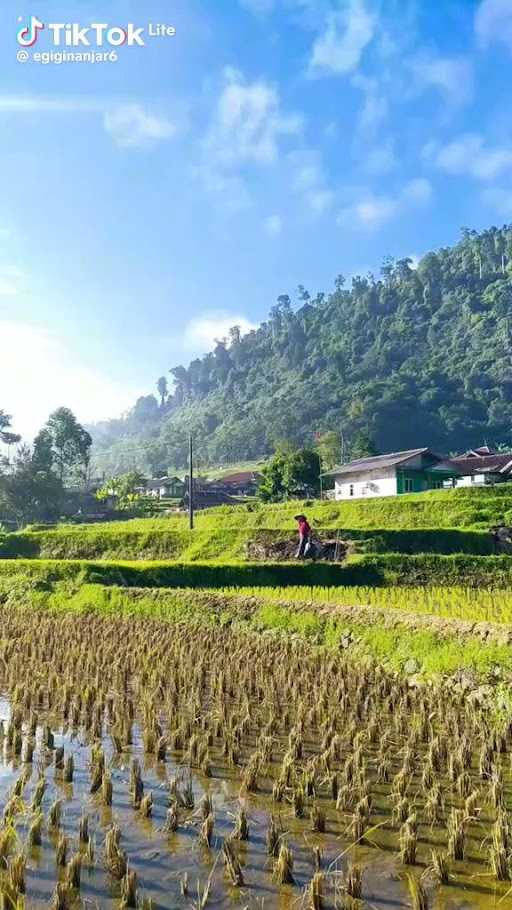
304,536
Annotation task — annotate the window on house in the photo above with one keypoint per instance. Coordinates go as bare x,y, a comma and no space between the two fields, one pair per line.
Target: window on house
472,478
351,489
408,485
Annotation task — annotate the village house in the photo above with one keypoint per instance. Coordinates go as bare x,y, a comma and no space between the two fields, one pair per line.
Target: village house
165,488
413,471
418,470
482,466
241,483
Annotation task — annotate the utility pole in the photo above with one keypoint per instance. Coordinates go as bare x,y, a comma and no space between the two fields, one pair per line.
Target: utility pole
190,484
342,446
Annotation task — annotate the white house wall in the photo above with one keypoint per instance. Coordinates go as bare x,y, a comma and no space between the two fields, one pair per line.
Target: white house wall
471,480
365,489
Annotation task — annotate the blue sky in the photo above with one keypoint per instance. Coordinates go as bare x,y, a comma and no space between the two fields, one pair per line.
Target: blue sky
148,203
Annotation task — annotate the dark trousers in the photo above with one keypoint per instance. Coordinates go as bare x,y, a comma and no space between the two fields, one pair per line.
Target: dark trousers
303,540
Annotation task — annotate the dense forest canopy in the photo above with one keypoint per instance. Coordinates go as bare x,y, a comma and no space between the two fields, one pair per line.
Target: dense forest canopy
417,356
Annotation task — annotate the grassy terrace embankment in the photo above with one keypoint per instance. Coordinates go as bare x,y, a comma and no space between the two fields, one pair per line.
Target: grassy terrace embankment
442,522
462,508
373,570
382,599
225,544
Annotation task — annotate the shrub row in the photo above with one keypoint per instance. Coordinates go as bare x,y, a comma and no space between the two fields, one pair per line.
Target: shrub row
222,543
371,570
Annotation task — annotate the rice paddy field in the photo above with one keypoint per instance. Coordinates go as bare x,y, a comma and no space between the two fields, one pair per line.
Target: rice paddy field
147,765
205,731
480,604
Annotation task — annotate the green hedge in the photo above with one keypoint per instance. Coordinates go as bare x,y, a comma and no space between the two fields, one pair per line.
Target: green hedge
424,540
370,570
228,544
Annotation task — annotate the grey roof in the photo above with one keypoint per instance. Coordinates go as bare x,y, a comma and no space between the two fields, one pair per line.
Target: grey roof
376,461
484,464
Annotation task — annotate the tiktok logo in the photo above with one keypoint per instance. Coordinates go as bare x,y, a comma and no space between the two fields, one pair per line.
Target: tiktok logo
28,34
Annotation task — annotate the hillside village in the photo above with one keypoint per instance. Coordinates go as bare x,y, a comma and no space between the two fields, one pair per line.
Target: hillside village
390,474
419,470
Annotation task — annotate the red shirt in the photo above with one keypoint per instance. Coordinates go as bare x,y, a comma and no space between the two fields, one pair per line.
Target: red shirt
304,528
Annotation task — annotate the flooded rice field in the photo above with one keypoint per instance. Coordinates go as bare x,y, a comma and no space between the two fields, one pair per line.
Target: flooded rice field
146,764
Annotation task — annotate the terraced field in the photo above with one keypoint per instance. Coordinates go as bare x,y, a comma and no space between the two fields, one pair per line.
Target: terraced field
181,725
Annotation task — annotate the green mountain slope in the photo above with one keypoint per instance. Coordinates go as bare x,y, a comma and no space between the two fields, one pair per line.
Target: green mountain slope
418,357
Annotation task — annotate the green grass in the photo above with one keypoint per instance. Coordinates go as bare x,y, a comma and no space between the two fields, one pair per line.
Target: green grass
462,509
476,604
387,641
144,542
366,570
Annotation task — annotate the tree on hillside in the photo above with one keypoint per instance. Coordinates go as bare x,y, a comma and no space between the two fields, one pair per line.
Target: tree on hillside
410,357
126,489
363,446
66,443
290,473
328,446
302,472
30,492
163,390
6,436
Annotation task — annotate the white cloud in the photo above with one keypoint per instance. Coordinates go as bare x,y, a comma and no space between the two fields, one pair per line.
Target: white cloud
248,128
346,33
11,281
376,106
39,373
493,22
33,104
452,76
130,124
249,123
273,225
371,211
319,201
204,330
310,181
133,127
468,155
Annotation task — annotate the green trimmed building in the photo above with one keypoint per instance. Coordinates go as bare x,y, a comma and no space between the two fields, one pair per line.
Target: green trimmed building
413,471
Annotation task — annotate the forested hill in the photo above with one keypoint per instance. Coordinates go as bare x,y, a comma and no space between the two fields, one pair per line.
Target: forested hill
414,357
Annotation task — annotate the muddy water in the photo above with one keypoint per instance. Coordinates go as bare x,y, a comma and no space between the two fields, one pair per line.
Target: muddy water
162,861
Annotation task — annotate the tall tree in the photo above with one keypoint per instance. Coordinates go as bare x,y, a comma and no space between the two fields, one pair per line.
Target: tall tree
328,446
163,390
363,446
30,492
67,443
6,436
290,473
